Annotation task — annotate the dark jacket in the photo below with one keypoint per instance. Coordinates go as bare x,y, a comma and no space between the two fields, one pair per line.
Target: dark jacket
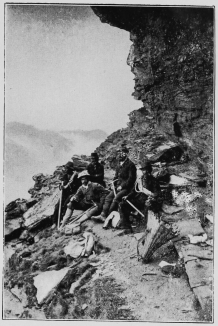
96,172
95,192
72,188
151,184
126,174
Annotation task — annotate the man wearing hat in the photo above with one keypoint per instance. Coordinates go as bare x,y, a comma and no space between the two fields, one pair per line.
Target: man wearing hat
123,183
70,184
89,194
96,170
147,197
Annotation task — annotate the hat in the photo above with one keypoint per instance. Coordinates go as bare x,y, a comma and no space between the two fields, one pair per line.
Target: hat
124,149
69,165
146,165
84,173
95,155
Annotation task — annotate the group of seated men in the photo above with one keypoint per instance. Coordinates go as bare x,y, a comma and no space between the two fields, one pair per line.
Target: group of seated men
86,191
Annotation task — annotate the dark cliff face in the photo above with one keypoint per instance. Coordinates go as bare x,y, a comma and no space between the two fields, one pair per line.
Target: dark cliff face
172,60
133,18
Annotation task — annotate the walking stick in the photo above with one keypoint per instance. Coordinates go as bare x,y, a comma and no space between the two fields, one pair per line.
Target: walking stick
78,217
60,203
114,187
135,208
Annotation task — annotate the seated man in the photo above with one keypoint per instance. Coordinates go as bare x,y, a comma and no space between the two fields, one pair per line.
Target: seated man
96,170
70,184
148,197
125,177
87,195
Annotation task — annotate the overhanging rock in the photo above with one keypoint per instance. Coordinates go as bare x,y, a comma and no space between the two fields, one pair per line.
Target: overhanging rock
135,17
168,152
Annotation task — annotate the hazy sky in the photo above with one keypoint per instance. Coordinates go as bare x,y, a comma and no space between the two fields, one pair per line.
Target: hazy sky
66,70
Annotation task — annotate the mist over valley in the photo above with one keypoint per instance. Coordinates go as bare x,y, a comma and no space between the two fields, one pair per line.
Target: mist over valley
29,150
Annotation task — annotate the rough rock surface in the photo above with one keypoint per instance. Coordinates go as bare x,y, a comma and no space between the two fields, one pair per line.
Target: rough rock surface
172,60
113,283
28,215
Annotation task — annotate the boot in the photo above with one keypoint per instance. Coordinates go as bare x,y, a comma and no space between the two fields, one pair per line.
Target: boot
113,207
99,218
66,217
107,222
124,222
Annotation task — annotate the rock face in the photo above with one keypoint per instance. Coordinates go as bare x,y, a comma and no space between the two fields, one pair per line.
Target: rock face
172,60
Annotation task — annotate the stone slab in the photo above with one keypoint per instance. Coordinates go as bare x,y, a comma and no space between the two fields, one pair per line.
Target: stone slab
204,295
190,177
185,227
199,272
189,250
47,281
167,209
178,181
41,211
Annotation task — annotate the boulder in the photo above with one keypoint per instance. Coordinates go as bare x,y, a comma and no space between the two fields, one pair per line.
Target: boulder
13,229
168,153
186,227
15,209
42,211
171,209
79,163
179,181
48,281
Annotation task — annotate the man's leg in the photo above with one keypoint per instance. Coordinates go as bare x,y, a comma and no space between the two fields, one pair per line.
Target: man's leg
56,210
124,210
70,208
106,207
107,203
68,213
93,211
88,214
55,215
64,206
139,202
117,199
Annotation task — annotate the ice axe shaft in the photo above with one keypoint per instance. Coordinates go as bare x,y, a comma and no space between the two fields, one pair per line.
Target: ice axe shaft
59,210
114,187
78,217
135,208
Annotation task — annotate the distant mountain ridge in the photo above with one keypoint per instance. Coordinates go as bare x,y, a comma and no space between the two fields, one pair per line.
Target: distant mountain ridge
49,137
29,150
94,134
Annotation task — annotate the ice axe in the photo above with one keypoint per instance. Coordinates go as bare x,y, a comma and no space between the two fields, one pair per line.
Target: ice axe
135,208
113,187
78,217
60,203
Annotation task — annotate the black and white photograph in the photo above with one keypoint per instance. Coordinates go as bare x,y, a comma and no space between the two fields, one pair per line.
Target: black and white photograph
108,162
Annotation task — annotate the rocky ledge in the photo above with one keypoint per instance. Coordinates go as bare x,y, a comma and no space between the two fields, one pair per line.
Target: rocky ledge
97,273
